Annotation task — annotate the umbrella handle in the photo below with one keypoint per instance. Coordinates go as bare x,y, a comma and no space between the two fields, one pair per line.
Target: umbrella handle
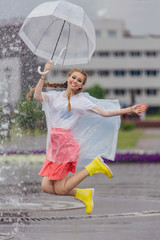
39,68
40,72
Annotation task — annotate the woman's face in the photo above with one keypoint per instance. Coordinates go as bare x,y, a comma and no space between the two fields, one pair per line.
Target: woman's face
75,81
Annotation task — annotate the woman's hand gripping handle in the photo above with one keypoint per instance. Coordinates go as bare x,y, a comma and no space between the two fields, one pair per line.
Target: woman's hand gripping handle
47,68
40,84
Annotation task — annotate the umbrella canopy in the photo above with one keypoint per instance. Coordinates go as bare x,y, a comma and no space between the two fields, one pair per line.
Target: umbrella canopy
59,31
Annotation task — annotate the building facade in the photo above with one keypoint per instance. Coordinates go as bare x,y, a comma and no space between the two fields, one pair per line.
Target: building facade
127,67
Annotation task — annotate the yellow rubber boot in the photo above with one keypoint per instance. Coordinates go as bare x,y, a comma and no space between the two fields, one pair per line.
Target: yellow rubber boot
86,196
97,166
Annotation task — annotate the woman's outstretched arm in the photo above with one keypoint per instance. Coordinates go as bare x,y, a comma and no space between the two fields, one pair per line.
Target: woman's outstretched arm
137,109
39,86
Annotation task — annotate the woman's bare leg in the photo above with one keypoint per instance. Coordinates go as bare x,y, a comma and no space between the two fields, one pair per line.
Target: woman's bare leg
47,185
63,186
66,186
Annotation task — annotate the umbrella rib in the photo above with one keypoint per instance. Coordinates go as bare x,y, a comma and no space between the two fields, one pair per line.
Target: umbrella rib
58,39
67,43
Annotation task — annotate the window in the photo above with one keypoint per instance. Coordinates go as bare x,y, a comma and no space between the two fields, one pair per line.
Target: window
119,54
111,33
119,91
138,91
135,53
151,91
90,72
150,73
135,72
103,53
119,73
64,72
103,73
151,53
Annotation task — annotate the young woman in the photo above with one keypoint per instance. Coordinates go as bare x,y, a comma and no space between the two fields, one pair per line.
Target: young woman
63,111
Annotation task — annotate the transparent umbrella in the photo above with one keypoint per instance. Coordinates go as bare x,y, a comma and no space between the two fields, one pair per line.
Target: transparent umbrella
61,32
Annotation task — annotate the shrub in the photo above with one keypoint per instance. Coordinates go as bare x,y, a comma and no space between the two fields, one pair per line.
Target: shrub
29,115
97,91
128,125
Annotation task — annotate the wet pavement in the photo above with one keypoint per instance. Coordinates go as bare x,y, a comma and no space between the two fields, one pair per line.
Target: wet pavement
126,207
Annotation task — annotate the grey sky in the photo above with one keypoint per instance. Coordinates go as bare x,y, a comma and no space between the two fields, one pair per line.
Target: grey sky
140,16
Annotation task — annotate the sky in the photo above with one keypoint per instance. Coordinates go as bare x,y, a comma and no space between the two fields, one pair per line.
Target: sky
142,17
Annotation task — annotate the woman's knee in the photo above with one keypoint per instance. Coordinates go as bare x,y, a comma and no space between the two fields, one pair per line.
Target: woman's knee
44,187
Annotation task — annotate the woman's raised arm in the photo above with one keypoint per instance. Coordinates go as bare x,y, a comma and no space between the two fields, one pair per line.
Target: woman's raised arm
39,86
137,109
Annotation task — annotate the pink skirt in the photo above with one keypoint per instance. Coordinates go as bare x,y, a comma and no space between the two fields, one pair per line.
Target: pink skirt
62,154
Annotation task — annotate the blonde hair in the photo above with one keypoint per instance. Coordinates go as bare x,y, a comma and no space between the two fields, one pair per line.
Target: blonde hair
63,85
69,94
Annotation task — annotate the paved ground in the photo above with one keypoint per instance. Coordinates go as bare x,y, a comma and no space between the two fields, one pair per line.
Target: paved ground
127,207
151,142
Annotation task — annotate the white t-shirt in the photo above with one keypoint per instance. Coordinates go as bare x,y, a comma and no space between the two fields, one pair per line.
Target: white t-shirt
96,135
55,106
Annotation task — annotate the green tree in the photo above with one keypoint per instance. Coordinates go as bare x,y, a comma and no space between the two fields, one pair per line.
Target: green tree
97,91
29,115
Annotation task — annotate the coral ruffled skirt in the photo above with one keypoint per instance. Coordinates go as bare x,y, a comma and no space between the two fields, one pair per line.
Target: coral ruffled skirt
62,154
